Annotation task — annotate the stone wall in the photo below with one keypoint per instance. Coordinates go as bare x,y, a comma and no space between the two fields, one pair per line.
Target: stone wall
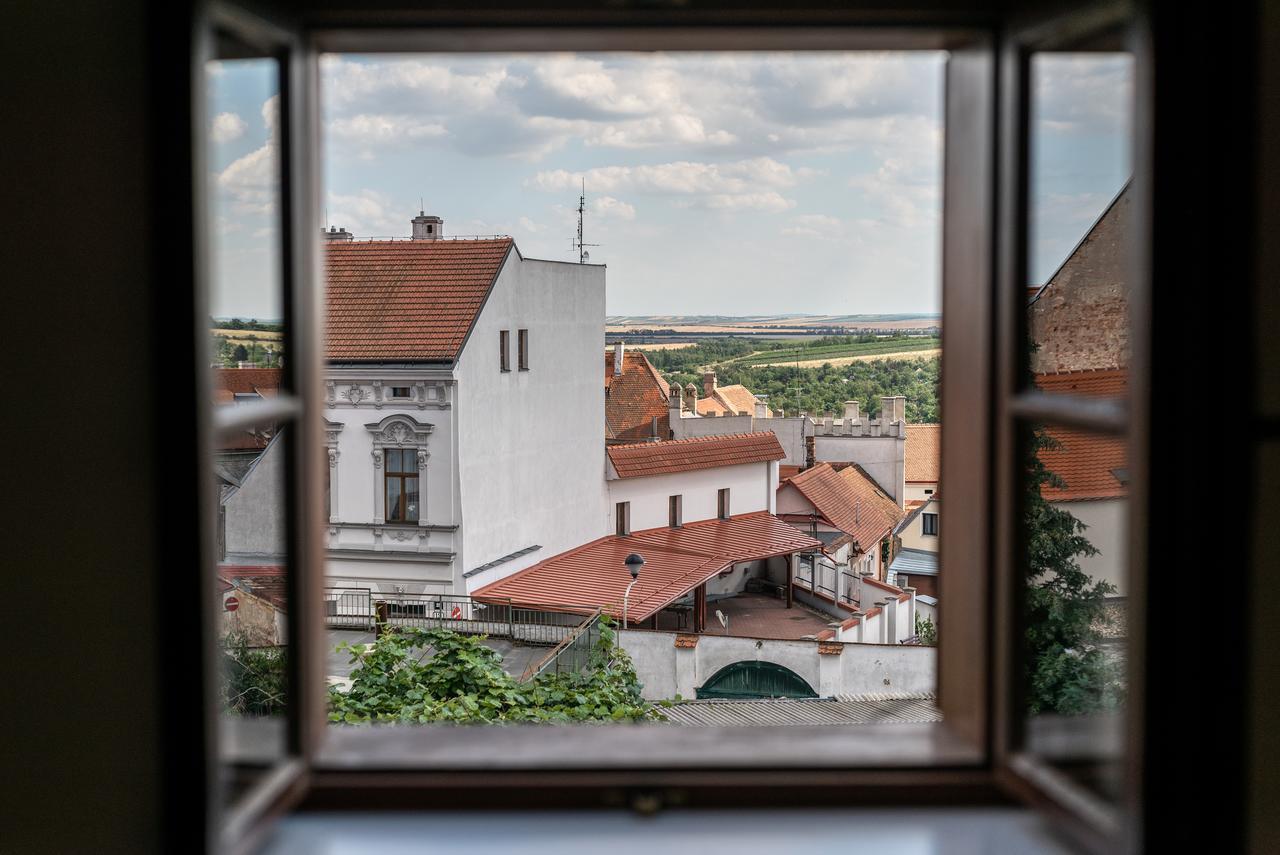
1081,319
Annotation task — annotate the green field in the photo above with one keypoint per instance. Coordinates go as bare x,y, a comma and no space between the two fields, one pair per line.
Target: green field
802,353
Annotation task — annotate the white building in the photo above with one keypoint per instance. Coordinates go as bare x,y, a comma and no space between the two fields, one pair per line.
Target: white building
464,410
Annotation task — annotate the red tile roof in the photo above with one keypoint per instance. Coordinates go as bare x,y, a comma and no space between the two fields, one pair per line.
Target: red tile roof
924,445
263,580
406,301
677,560
849,500
1089,463
1098,383
634,398
684,455
730,400
229,382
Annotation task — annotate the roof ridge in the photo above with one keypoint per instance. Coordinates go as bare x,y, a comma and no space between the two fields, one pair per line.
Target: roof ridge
662,443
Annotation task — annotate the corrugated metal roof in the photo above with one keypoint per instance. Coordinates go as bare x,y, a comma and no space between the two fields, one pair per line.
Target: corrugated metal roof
677,560
915,562
903,708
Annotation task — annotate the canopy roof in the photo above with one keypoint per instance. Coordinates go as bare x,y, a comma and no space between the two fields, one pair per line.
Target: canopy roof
677,560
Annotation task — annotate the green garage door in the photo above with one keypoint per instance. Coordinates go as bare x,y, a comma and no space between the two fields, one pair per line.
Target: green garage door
755,680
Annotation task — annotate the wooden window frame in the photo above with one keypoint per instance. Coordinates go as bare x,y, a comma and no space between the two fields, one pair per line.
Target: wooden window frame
522,349
925,520
675,511
504,350
723,499
621,519
971,757
401,476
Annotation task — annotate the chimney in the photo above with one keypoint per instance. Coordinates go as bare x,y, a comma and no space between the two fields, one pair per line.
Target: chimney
618,349
708,383
762,410
850,411
336,233
427,227
886,410
675,403
691,398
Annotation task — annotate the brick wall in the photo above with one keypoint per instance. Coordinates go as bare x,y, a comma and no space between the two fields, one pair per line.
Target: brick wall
1081,320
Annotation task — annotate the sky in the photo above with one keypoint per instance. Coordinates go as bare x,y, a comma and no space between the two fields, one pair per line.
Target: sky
728,184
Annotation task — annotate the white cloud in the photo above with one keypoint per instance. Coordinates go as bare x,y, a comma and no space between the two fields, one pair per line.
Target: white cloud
677,178
253,182
227,127
769,202
819,226
367,129
367,213
607,207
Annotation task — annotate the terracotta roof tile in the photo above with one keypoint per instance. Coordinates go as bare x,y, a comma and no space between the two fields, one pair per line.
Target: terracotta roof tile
851,501
677,560
229,382
406,301
924,443
703,452
1090,464
634,398
732,400
1098,383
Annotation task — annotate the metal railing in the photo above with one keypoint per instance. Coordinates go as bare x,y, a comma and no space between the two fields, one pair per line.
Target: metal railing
348,608
360,608
573,653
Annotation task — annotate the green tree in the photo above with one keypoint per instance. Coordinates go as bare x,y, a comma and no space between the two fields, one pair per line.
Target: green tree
421,675
240,354
1066,671
253,678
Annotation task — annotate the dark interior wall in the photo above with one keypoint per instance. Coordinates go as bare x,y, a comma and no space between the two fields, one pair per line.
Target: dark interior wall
80,528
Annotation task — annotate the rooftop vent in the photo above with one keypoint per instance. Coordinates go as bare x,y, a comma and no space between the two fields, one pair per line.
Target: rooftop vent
336,233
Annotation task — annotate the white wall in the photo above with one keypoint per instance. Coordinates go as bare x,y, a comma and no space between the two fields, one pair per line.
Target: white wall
883,457
789,431
750,489
362,553
666,670
1106,520
531,443
915,490
913,536
255,512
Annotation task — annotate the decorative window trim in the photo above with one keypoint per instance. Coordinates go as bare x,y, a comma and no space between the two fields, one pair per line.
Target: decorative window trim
331,431
399,431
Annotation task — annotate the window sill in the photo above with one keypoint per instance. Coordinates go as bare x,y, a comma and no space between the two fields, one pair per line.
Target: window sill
623,749
919,831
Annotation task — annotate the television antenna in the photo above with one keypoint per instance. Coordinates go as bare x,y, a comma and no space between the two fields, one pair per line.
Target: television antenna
578,245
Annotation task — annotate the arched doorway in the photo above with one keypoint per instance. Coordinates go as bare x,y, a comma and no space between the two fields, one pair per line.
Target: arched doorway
743,680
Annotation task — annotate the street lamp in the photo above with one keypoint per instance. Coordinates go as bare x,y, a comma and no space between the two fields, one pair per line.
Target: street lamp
633,563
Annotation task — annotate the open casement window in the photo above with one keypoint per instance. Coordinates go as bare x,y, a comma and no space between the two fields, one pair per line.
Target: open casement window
989,408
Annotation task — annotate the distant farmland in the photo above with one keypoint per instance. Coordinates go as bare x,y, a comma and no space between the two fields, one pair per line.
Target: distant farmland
846,352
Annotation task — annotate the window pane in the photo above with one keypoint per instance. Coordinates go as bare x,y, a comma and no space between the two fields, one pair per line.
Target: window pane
411,499
1075,509
394,509
251,465
834,160
1080,230
252,608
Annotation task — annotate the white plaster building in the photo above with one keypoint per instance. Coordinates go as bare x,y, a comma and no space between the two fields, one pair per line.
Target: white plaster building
464,410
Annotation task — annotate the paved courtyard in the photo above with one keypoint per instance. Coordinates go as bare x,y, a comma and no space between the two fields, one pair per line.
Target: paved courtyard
753,616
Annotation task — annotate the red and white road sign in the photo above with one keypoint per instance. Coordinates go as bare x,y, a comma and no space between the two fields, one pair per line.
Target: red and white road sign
231,604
